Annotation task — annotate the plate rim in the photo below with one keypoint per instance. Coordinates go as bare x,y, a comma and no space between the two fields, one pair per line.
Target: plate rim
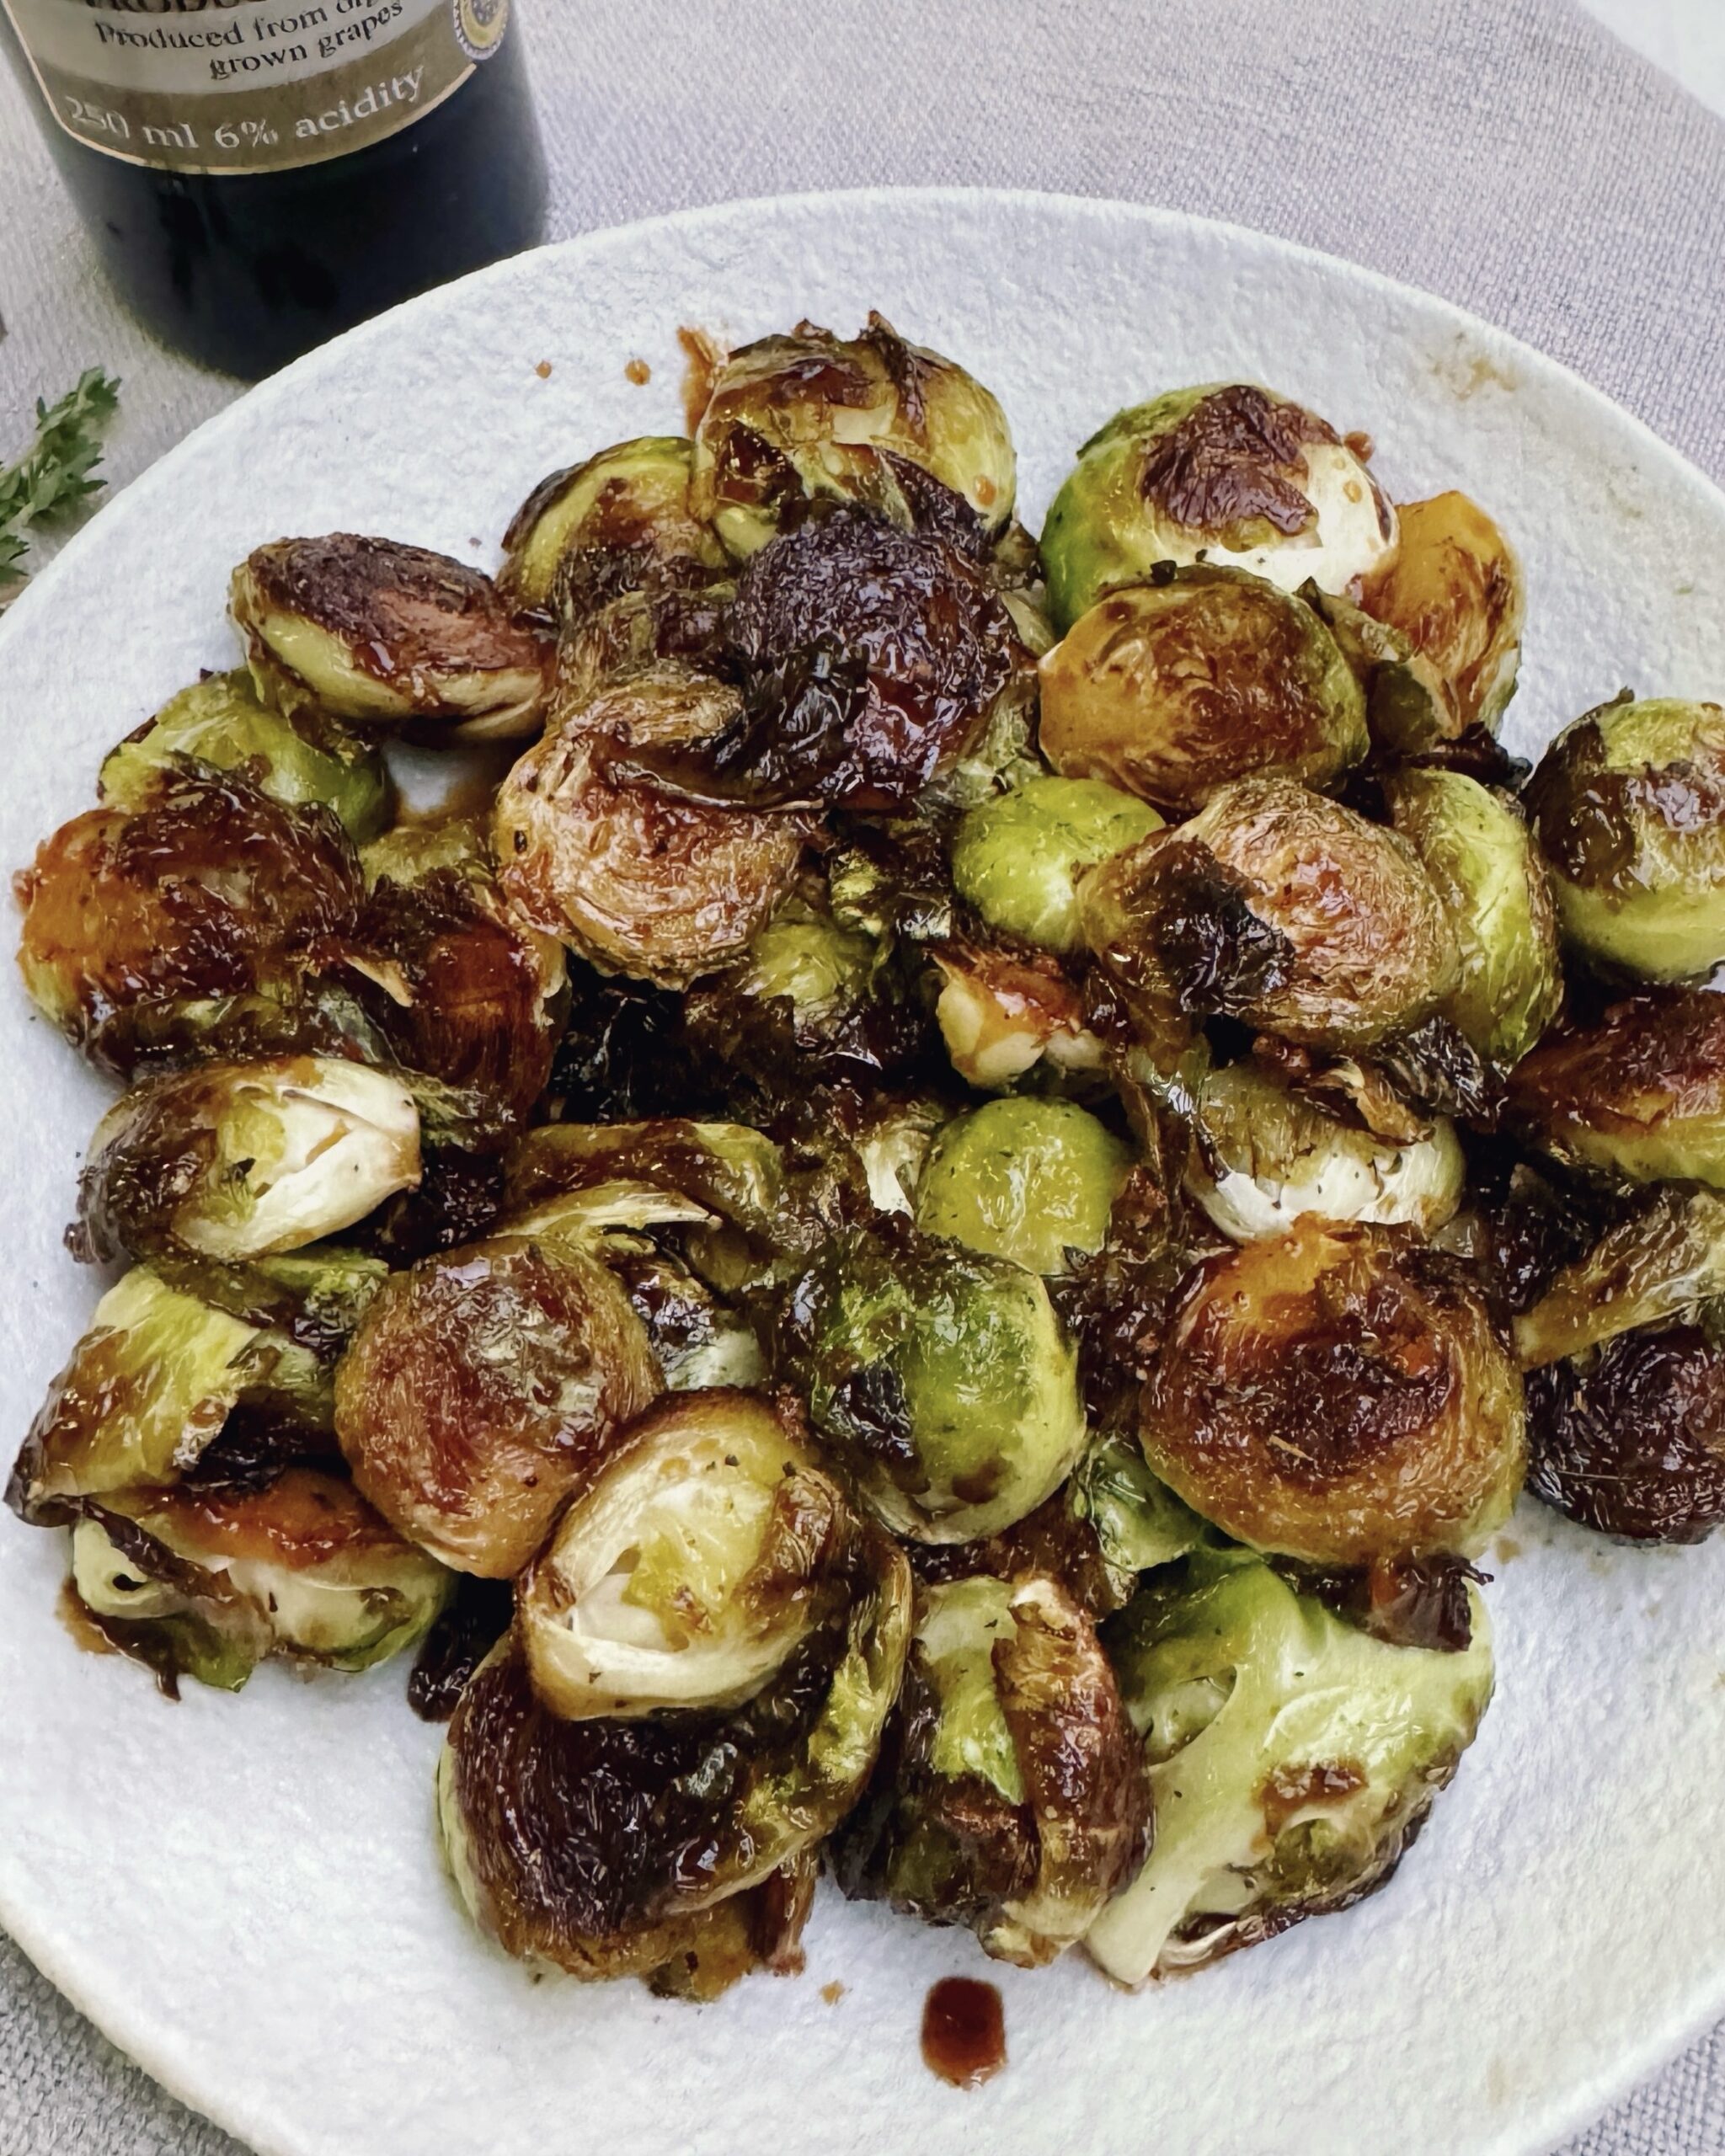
128,2024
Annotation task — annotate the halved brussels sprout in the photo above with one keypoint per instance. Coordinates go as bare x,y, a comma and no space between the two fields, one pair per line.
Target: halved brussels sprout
1018,856
1277,906
1174,687
1011,1795
1029,1180
732,1178
688,1569
872,420
1478,854
1337,1397
666,624
481,1386
1639,1095
220,721
1453,588
1664,1264
1292,1759
208,895
386,635
1001,1014
207,1583
1228,474
1264,1154
464,992
619,522
1629,806
237,1160
638,880
590,1844
149,1385
942,1378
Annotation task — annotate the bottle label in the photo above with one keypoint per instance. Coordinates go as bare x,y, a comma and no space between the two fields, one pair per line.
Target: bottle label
238,86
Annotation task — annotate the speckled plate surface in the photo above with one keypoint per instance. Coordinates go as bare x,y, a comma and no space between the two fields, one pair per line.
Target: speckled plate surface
245,1893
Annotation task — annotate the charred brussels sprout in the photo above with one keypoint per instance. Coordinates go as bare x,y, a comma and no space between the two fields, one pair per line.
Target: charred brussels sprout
1171,689
387,635
220,722
1639,1097
240,1161
1011,1795
1478,852
480,1388
1454,589
1336,1396
1264,1154
596,1844
1029,1180
208,1583
872,420
1629,807
1665,1263
1229,474
1292,1759
688,1570
941,1377
208,893
1279,907
619,522
638,880
1016,858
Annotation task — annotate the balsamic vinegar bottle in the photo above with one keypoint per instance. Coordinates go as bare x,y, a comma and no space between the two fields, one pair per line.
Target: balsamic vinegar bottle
259,174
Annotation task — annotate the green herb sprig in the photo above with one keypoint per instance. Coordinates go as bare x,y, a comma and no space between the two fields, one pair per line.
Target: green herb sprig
54,474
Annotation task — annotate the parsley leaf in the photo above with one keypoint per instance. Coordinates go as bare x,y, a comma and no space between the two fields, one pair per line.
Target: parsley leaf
54,474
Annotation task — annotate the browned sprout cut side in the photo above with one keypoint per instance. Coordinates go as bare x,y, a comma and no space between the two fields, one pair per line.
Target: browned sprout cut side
870,419
1639,1097
1171,688
1454,589
207,894
1010,1796
482,1387
637,879
618,522
388,636
1279,907
1337,1397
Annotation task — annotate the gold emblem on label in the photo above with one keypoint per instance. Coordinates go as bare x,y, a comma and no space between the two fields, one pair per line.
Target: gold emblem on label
479,25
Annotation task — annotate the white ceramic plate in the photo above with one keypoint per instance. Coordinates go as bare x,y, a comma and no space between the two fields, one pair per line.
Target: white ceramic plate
245,1893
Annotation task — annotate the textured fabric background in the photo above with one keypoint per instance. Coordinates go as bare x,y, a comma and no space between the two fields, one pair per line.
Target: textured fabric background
1507,154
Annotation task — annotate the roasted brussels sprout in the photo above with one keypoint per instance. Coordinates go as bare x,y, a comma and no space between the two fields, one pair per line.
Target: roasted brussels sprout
619,522
1292,1758
236,1161
208,893
1478,852
1011,1794
1279,907
1263,1154
1018,856
481,1386
1337,1397
590,1844
388,636
1001,1016
1664,1263
208,1583
1454,589
872,420
638,880
1629,806
1029,1180
1173,687
689,1568
220,722
1229,473
1640,1096
941,1377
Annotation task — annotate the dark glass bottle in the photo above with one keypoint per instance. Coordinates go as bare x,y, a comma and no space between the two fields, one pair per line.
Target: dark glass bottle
260,175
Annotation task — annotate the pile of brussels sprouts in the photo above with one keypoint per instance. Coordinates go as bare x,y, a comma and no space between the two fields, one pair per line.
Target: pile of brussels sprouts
937,1241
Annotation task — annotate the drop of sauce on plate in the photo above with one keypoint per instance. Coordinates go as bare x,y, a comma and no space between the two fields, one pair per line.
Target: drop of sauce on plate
964,2031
